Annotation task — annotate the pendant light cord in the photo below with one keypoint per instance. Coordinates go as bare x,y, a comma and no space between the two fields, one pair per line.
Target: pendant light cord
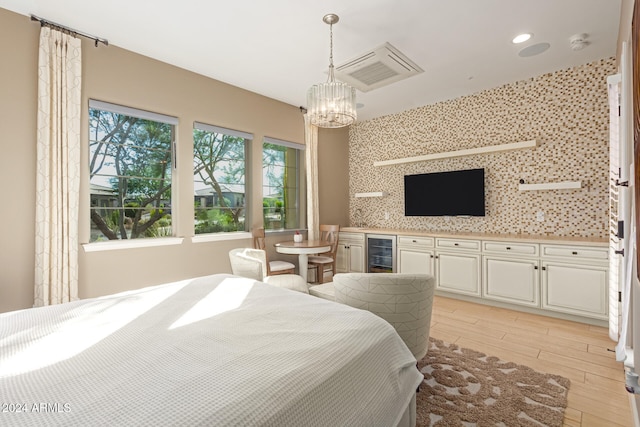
331,78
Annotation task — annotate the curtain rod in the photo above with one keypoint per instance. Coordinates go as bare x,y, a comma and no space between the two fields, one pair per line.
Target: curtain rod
45,23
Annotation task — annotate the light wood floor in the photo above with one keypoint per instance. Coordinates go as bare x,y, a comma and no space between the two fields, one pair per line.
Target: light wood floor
574,350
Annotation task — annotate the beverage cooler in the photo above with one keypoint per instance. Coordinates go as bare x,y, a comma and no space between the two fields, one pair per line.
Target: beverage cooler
381,254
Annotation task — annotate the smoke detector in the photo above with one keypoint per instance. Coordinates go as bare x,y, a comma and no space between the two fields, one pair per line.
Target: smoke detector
578,41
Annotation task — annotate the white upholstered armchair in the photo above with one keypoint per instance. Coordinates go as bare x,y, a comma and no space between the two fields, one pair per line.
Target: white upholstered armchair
252,263
403,300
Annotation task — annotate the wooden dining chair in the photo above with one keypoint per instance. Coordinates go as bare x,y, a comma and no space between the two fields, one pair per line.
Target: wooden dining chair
273,267
327,260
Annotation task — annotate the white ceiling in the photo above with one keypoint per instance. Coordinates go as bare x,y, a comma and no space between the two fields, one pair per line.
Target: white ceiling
279,48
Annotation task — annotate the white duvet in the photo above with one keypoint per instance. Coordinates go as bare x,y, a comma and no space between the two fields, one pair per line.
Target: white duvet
218,350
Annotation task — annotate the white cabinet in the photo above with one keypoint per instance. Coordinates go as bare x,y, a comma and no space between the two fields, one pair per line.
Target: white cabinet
350,254
416,255
575,280
568,278
511,272
457,266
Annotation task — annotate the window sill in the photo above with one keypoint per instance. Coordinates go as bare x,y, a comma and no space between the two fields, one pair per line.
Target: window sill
217,237
131,244
285,232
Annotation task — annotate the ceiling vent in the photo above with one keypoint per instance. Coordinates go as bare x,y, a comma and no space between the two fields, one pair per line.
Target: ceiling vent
376,68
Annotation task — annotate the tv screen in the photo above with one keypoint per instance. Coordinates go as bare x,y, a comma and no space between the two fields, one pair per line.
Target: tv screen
454,193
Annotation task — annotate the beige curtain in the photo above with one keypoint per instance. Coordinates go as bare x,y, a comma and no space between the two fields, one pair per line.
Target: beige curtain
58,168
311,158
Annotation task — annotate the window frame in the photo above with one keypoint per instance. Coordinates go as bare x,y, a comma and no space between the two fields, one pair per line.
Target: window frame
174,205
300,182
248,139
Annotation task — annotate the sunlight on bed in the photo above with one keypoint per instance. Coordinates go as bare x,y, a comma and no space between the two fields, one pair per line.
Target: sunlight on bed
90,324
228,295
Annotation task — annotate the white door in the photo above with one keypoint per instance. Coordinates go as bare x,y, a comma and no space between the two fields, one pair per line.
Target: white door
414,261
511,280
575,289
356,258
342,258
458,273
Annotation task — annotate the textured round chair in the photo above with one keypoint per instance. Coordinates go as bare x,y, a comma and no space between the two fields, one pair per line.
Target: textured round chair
403,300
252,263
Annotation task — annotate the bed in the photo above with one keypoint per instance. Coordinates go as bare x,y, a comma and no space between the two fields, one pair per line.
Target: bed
216,350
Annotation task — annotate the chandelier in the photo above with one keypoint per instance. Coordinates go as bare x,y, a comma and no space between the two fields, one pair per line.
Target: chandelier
331,104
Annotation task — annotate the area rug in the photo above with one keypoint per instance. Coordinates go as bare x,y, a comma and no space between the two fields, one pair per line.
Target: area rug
464,387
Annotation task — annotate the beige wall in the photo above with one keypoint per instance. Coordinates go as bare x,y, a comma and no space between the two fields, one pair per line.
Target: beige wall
115,75
333,175
122,77
567,112
18,73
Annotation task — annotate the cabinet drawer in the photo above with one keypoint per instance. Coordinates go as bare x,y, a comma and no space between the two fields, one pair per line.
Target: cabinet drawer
415,241
351,237
575,252
470,245
510,248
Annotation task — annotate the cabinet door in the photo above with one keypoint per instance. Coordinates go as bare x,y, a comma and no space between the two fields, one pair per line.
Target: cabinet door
414,261
575,289
342,258
458,273
356,258
511,280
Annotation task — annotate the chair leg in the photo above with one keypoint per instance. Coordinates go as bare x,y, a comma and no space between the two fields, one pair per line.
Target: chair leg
320,273
313,267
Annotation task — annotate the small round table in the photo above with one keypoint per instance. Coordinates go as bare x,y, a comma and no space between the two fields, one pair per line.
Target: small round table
303,250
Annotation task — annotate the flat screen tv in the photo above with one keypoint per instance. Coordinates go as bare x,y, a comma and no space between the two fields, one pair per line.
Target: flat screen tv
453,193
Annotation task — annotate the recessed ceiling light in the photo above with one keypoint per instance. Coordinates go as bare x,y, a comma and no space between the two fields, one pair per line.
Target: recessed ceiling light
521,38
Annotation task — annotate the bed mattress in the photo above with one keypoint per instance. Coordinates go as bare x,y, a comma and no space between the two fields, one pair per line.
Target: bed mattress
217,350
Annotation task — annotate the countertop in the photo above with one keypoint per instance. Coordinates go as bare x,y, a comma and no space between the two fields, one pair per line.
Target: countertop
594,241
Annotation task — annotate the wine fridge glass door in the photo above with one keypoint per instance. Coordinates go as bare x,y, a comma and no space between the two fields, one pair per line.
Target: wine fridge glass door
381,254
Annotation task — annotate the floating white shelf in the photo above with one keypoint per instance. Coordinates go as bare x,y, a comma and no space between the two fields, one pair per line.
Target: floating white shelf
565,185
374,194
460,153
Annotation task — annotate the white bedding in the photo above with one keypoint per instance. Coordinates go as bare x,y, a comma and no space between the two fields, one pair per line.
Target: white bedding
217,350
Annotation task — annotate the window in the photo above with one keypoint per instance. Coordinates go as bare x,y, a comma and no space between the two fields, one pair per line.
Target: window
281,171
219,174
130,163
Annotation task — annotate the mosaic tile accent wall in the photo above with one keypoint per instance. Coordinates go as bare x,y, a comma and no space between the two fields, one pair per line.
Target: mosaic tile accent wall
565,111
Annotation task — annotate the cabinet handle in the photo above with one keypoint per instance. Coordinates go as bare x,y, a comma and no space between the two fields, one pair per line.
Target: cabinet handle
437,257
508,248
455,244
574,253
431,256
544,268
535,267
414,241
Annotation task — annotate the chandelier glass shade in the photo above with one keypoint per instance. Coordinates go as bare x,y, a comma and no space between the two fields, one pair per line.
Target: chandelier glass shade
331,104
